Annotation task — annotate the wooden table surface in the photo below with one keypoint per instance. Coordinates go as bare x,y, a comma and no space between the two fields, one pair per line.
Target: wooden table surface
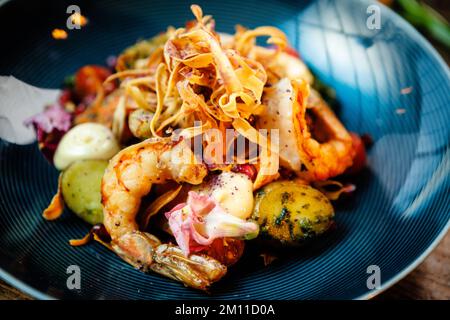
430,280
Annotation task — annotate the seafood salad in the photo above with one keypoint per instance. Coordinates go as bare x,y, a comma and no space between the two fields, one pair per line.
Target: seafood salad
191,145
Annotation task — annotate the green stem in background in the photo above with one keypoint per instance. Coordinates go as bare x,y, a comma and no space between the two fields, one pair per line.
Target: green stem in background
423,16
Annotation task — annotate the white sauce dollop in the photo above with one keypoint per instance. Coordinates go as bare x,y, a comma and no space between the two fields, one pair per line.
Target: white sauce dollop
233,191
87,141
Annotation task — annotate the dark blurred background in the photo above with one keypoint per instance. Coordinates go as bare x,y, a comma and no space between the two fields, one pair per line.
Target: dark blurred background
430,17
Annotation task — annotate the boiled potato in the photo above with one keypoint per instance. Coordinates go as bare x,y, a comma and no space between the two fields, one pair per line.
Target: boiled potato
291,213
81,184
139,123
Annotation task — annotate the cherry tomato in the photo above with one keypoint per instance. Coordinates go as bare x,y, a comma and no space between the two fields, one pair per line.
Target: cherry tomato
360,158
89,79
225,250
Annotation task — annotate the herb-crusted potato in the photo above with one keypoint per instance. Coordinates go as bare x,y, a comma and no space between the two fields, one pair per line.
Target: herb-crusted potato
291,213
81,184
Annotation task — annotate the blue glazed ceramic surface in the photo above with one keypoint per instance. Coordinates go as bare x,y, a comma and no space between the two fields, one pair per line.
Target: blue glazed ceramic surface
401,208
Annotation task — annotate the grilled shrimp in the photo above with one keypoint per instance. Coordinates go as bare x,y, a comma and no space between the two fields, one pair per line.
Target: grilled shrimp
128,177
314,154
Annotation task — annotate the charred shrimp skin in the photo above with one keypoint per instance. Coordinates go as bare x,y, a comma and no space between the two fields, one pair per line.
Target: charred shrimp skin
128,177
333,153
289,103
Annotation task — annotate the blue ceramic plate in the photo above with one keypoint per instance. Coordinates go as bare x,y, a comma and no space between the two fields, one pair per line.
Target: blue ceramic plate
389,81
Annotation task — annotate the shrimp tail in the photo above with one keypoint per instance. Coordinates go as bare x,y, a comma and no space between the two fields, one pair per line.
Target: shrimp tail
136,248
146,253
196,271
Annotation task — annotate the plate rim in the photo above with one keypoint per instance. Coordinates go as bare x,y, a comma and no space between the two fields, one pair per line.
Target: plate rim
421,41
